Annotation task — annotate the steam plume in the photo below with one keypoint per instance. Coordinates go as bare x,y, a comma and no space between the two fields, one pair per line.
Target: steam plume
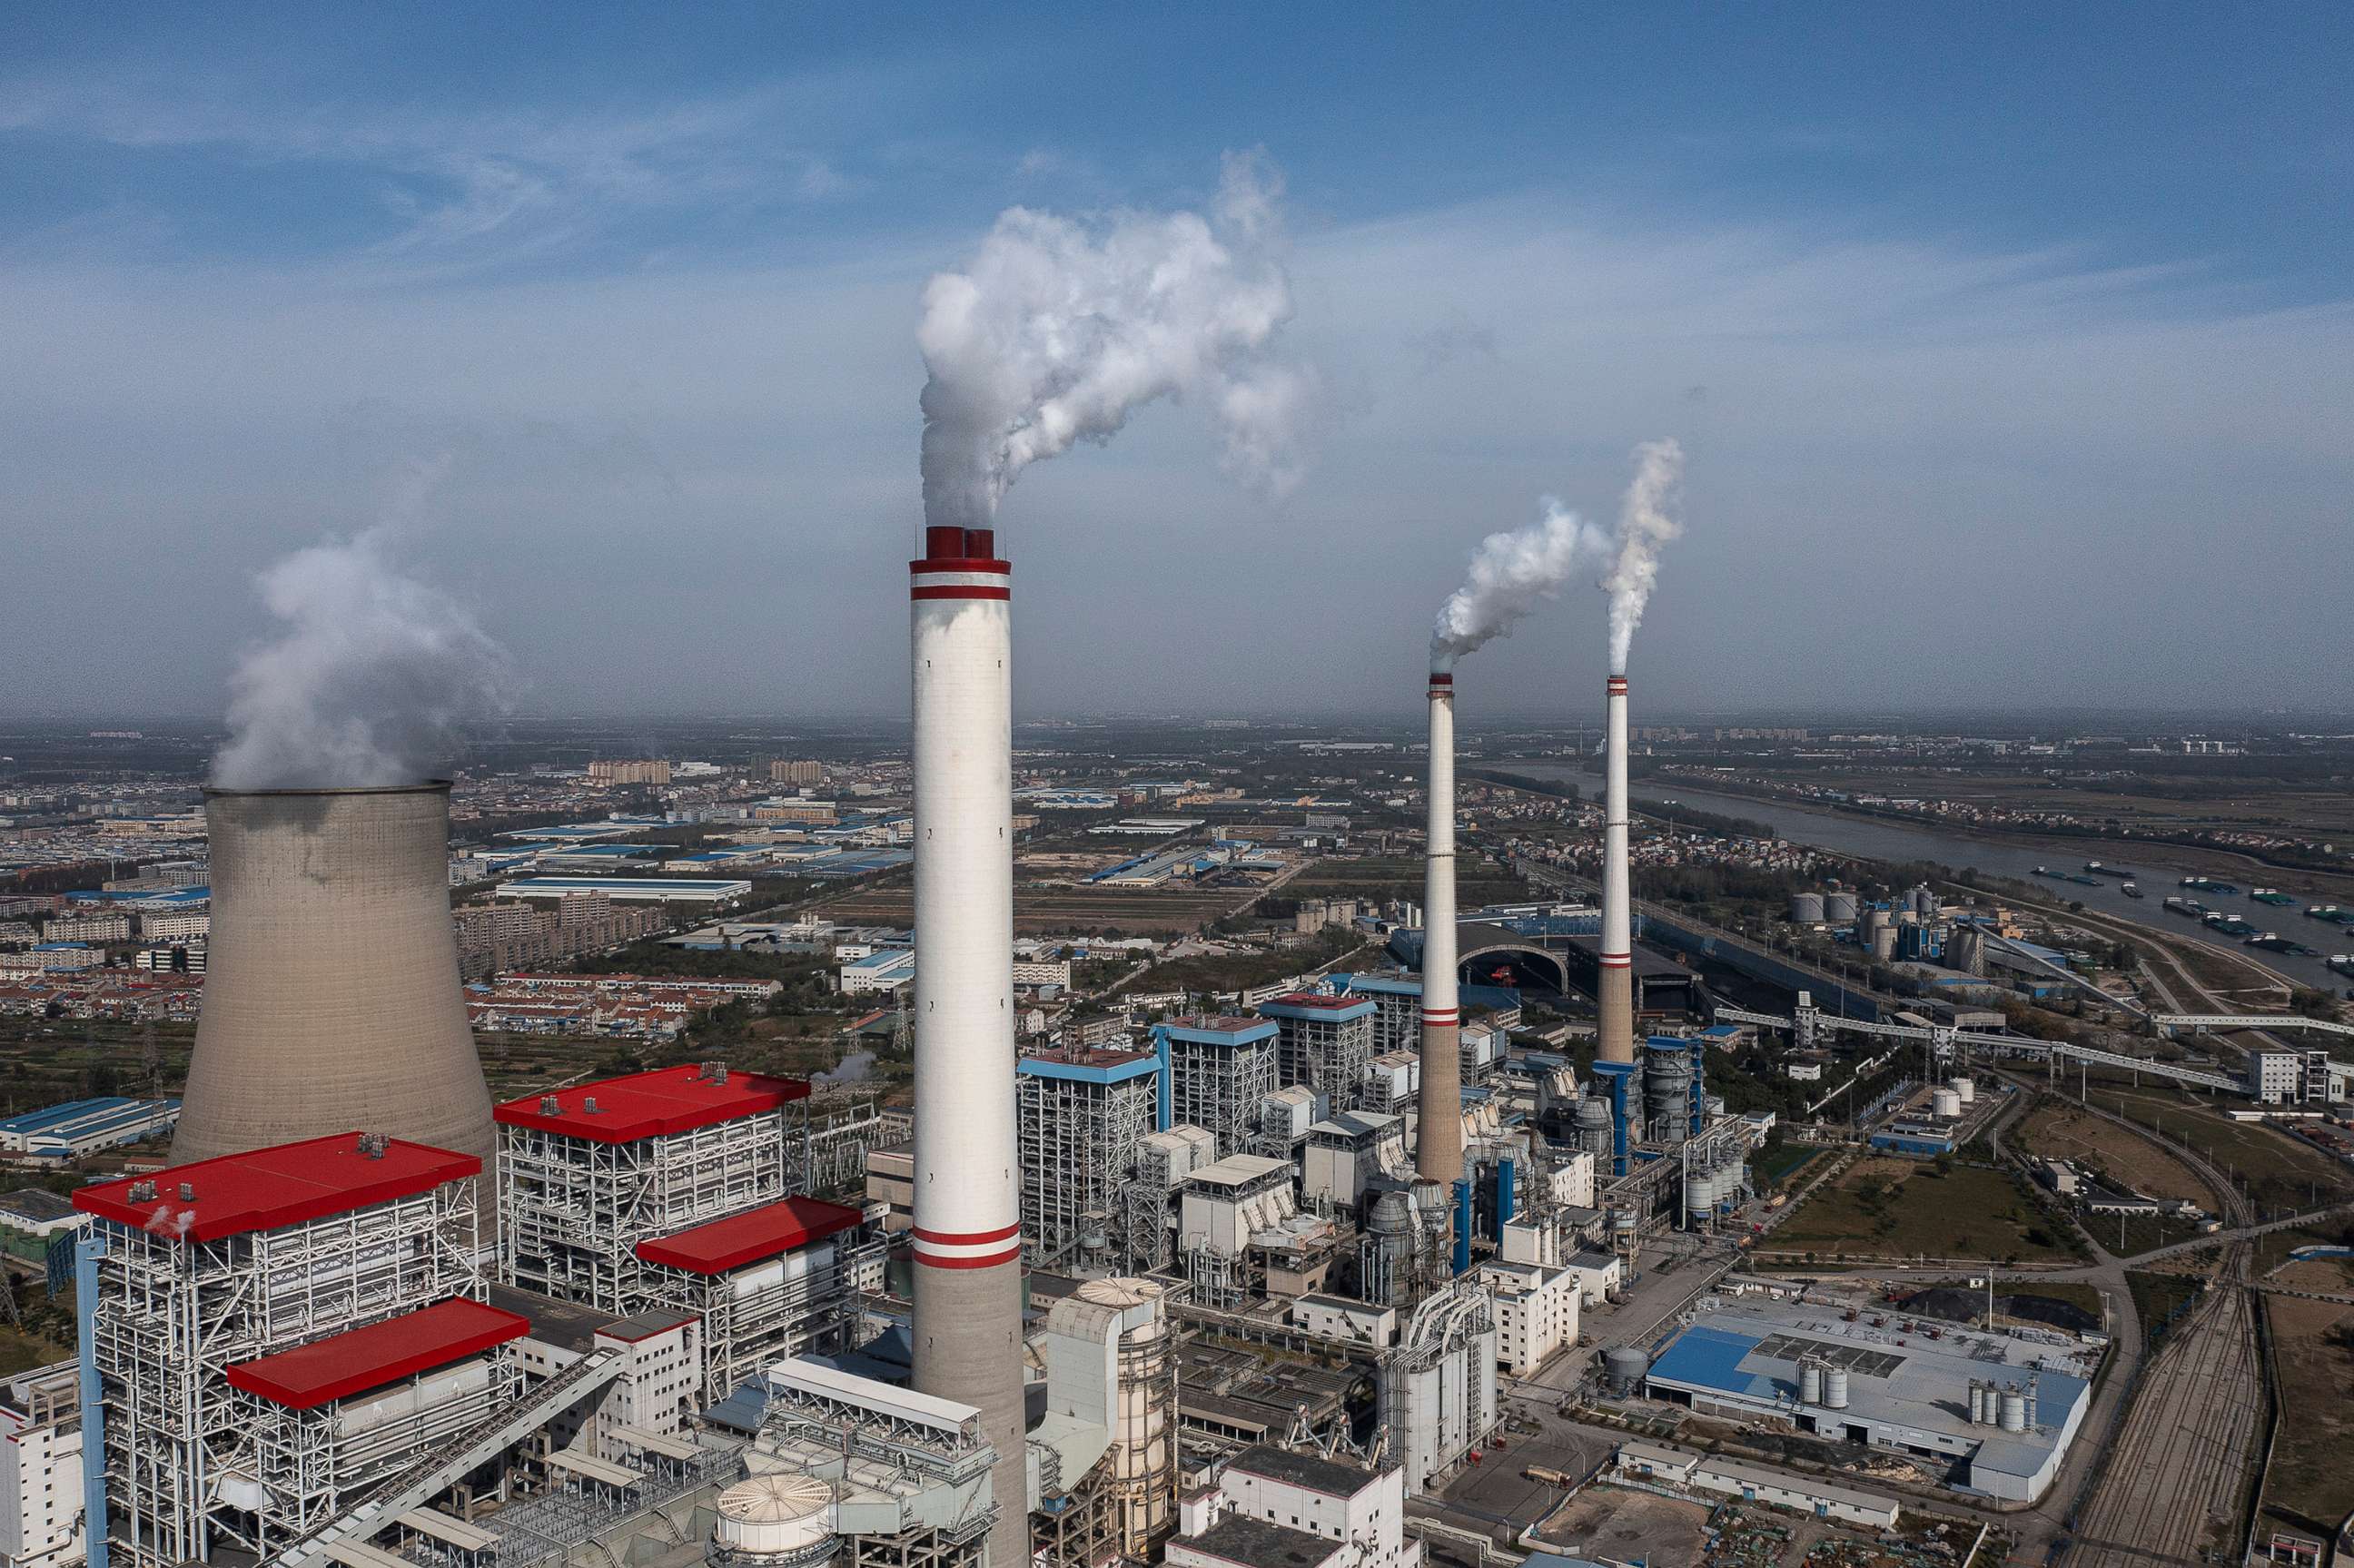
1058,330
367,683
1509,573
1644,524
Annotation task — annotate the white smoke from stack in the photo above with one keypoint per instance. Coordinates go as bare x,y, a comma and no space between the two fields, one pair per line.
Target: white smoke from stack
1645,523
368,684
1058,330
1510,574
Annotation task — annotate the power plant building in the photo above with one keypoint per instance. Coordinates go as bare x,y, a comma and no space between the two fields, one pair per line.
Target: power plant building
1221,1070
1082,1117
1322,1042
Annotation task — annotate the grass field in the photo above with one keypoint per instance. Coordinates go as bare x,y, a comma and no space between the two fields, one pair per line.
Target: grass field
2059,1130
22,1352
2310,1475
1898,1208
2157,1297
2279,1171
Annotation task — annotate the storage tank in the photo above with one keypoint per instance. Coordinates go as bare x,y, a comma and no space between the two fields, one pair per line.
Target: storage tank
1807,908
1143,1458
1667,1090
1977,1403
1835,1388
1884,941
1944,1104
1624,1367
1840,908
1593,1124
782,1521
332,1000
1700,1197
1810,1382
1965,1090
2013,1417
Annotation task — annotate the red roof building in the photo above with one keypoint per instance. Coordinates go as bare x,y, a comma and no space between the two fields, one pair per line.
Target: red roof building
651,1104
266,1189
360,1359
750,1236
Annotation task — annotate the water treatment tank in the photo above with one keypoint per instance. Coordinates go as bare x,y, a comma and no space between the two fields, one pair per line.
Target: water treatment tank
1623,1368
2014,1411
786,1518
1807,908
1835,1388
1810,1382
1944,1104
1840,908
1966,1090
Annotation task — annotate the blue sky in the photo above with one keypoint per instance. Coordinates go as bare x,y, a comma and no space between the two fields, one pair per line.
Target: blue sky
1996,335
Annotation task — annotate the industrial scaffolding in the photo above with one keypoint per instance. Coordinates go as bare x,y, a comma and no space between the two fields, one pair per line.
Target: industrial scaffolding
1220,1086
1079,1141
574,1209
1328,1054
803,1301
173,1313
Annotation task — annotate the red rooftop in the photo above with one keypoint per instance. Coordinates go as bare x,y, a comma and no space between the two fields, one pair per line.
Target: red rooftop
650,1105
358,1359
265,1189
748,1237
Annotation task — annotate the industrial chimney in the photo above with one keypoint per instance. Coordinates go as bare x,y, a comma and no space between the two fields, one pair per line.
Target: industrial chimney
1616,1039
331,997
1439,1139
968,1231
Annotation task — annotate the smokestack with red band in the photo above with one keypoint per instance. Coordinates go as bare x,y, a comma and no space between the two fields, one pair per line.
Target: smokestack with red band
1616,1042
967,1236
1439,1141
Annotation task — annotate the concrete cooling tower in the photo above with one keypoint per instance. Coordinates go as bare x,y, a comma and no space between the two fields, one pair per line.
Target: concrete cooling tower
332,1000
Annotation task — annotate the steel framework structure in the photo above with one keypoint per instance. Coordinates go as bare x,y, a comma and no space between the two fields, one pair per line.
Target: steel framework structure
1220,1086
573,1210
813,1302
1079,1142
173,1313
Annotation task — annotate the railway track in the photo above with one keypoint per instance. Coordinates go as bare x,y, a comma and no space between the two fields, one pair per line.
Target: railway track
2174,1488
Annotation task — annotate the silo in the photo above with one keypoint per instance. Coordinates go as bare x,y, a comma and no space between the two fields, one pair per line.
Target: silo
1810,1382
1965,1090
1624,1367
2013,1416
331,998
1944,1104
1835,1388
1884,941
1593,1124
1807,908
780,1520
1700,1196
1840,908
1977,1403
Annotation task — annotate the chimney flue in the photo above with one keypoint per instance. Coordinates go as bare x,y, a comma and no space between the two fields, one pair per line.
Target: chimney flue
1617,987
1439,1136
968,1234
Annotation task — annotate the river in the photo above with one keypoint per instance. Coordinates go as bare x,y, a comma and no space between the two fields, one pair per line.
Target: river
1876,839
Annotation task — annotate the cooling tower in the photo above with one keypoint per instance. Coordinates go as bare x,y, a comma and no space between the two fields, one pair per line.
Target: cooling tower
1615,1041
331,989
968,1230
1438,1138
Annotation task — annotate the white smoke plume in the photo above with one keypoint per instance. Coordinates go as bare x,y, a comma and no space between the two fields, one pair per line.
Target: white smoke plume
1510,574
1059,329
367,685
1646,522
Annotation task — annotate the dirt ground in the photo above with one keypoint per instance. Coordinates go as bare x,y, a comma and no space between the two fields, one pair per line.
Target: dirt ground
1627,1526
2310,1474
2066,1132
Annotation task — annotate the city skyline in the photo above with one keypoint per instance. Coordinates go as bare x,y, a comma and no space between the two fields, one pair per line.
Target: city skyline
1985,386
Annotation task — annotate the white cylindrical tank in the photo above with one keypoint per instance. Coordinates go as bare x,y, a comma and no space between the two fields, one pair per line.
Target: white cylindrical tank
1807,908
1977,1403
1700,1196
2013,1417
786,1515
1835,1388
1143,1460
1965,1090
1810,1382
1945,1104
1839,908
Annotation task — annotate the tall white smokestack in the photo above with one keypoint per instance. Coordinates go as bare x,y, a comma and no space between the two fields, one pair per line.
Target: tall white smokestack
968,1234
1438,1140
1617,1041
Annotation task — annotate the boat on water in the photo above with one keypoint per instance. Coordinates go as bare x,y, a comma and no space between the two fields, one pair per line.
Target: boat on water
2272,895
2129,890
2191,906
2273,942
2342,962
2097,869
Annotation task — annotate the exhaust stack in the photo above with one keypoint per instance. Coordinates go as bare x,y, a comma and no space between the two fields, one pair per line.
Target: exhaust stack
968,1234
332,999
1616,999
1439,1141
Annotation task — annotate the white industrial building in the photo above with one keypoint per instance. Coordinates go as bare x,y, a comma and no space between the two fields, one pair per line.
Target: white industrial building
40,1468
1536,1313
1269,1505
1657,1464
